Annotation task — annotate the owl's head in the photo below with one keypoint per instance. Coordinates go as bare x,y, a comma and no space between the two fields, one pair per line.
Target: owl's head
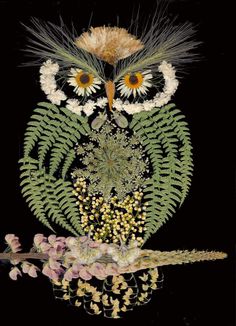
135,73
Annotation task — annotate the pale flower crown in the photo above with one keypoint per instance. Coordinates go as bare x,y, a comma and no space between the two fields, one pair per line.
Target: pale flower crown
110,44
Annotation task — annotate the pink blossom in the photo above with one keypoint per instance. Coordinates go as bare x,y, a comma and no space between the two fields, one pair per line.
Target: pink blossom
103,248
10,237
70,241
83,239
112,269
38,239
53,264
52,239
29,269
62,240
97,270
33,271
14,273
14,261
56,252
70,274
93,244
53,275
44,247
76,267
15,245
84,274
13,242
25,267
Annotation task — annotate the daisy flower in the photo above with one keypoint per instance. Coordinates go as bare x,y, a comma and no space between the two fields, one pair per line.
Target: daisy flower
83,83
135,83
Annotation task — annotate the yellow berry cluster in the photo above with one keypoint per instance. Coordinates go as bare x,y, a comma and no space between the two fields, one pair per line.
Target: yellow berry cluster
112,220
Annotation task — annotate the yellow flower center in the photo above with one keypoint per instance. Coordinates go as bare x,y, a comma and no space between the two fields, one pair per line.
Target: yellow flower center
84,80
133,80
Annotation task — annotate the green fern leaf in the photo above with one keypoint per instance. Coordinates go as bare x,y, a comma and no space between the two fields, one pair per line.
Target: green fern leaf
36,125
67,202
70,157
52,206
166,139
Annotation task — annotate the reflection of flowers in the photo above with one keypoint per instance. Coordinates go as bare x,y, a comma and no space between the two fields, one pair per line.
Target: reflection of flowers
112,162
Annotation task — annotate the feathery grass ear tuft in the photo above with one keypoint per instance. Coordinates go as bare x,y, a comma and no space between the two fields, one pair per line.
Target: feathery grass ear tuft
54,42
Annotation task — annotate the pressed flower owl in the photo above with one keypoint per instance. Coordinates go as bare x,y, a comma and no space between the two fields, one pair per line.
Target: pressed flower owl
107,158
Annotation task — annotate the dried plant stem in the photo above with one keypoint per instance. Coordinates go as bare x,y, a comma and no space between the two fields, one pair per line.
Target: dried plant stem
152,258
176,257
23,256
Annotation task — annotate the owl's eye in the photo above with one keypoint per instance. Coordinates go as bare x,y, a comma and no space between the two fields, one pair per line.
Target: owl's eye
135,83
83,82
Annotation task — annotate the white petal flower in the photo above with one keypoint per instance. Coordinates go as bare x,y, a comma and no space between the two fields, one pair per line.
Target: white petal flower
73,106
135,83
171,86
48,84
133,108
167,70
118,104
83,83
49,68
56,97
89,107
101,102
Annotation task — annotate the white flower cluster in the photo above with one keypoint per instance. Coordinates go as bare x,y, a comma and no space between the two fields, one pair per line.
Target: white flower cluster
171,84
124,255
160,99
74,105
48,71
48,83
83,250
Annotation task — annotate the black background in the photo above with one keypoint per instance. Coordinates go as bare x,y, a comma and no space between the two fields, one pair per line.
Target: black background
193,295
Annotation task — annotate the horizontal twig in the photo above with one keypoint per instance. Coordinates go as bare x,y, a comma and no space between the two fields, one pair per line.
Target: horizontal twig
23,256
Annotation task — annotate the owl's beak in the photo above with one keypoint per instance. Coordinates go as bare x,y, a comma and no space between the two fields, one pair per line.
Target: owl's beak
110,92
